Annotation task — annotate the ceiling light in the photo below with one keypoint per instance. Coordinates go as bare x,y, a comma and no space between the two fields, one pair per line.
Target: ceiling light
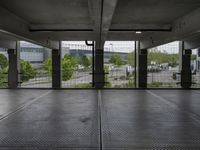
138,32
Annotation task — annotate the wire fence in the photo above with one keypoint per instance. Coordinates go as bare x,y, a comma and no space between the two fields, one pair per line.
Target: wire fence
163,79
40,80
79,78
79,73
196,80
120,77
3,68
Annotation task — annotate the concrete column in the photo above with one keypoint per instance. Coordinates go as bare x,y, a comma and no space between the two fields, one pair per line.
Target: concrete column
56,68
14,66
185,59
99,69
198,58
181,48
141,66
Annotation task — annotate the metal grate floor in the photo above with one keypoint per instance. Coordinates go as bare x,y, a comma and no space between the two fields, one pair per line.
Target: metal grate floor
99,119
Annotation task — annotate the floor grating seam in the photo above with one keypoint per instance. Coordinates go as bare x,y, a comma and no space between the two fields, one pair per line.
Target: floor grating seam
11,113
193,115
100,120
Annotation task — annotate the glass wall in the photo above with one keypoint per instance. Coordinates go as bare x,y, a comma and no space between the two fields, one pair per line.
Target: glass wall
119,64
35,66
3,68
163,66
76,64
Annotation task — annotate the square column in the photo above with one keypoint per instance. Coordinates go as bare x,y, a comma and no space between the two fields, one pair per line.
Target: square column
185,66
14,66
56,68
99,69
186,74
141,66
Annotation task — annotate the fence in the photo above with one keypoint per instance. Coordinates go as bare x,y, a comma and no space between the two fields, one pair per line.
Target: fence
163,78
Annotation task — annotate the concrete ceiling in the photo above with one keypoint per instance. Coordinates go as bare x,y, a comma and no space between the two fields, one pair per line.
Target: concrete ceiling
49,21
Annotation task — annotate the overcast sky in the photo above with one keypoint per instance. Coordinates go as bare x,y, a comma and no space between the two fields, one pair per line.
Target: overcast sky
114,46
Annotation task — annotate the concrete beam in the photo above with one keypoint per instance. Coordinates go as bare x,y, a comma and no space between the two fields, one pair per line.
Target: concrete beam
95,9
101,12
181,28
192,42
15,26
108,12
8,44
139,27
63,27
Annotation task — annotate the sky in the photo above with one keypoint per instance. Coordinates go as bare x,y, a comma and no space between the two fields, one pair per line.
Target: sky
115,46
126,46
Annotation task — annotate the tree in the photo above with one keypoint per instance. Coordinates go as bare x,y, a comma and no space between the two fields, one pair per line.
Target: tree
3,70
85,61
3,77
162,57
193,57
116,60
68,66
3,61
27,71
47,65
131,58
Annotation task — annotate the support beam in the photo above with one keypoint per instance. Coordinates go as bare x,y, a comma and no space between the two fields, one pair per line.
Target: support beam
8,44
63,27
140,27
95,11
141,66
56,68
192,43
17,27
108,12
14,66
101,12
181,28
7,41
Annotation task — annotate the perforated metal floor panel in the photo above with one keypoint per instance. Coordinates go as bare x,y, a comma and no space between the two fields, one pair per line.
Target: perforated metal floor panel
65,120
146,120
95,120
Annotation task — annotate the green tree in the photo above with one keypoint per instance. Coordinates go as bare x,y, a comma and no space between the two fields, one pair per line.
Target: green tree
116,60
3,61
3,70
193,57
27,71
131,59
85,61
162,57
107,83
47,65
3,77
68,66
